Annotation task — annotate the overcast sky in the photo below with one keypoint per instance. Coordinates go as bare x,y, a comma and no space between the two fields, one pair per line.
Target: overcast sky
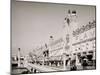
33,23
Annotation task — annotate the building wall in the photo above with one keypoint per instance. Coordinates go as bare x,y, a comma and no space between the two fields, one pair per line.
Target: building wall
56,49
83,41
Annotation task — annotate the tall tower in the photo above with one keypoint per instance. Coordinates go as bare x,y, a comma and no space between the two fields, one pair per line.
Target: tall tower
70,24
51,39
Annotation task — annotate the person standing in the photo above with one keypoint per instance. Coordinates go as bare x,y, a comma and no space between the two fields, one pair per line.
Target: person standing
84,64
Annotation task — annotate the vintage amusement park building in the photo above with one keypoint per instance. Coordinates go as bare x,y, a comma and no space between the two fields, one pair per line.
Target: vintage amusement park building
76,42
84,39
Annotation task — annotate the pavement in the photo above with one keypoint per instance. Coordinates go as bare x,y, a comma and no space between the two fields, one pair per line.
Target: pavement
42,68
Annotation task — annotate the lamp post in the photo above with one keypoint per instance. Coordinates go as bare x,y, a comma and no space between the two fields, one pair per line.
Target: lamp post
19,62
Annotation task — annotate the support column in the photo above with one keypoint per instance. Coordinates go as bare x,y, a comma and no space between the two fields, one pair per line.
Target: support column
64,61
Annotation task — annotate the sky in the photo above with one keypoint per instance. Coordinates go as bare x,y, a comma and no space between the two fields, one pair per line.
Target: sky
33,23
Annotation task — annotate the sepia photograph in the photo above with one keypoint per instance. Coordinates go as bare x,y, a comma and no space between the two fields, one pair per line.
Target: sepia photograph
52,37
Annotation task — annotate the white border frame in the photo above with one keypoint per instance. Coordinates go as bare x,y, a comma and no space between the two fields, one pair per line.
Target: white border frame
5,36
